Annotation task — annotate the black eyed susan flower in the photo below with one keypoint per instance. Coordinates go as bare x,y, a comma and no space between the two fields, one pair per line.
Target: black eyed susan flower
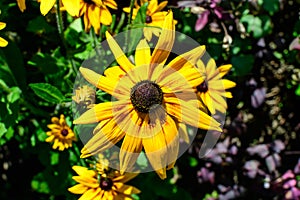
84,96
3,42
95,13
21,5
152,102
213,89
61,134
154,16
97,186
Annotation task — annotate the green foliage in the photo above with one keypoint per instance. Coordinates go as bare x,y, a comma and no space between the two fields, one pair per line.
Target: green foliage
47,92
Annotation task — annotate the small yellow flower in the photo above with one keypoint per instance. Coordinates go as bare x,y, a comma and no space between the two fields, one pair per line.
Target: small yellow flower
85,96
61,134
212,90
3,42
21,5
94,187
154,16
95,13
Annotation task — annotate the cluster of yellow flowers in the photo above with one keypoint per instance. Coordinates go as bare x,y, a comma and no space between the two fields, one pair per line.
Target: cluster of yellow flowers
155,100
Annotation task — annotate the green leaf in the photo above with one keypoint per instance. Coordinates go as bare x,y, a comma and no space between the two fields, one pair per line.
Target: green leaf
193,161
14,59
3,130
297,91
54,158
242,64
47,92
271,6
14,95
141,15
39,25
45,62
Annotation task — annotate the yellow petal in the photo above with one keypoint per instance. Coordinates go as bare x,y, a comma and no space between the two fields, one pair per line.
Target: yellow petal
224,69
129,152
121,58
164,44
208,102
98,113
125,178
21,5
78,189
187,113
3,42
110,3
211,69
114,72
86,181
142,54
105,16
90,194
161,6
2,25
128,190
156,151
172,139
94,17
83,171
72,7
102,82
183,134
46,6
106,134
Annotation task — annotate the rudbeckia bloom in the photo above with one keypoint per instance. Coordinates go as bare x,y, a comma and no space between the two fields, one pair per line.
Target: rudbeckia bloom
154,16
61,134
150,102
104,188
213,89
21,5
96,12
3,42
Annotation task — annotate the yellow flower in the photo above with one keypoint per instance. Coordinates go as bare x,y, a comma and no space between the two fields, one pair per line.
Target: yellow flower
154,16
3,42
71,6
104,188
61,134
84,96
212,90
96,12
151,102
21,5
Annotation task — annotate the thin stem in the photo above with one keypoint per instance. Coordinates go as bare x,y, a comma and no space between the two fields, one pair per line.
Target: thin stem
60,25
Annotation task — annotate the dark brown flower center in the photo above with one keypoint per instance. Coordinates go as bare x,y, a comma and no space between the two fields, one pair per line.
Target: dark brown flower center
202,87
148,19
106,184
64,132
146,95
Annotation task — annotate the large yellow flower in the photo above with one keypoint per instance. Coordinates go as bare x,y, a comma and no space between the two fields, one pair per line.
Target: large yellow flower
21,5
103,188
96,13
61,134
154,16
84,96
151,102
3,42
213,89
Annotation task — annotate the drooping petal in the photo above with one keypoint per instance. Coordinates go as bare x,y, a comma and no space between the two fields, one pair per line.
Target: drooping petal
2,25
161,6
3,42
121,58
129,152
106,17
21,5
156,151
128,190
94,17
224,69
110,3
46,6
